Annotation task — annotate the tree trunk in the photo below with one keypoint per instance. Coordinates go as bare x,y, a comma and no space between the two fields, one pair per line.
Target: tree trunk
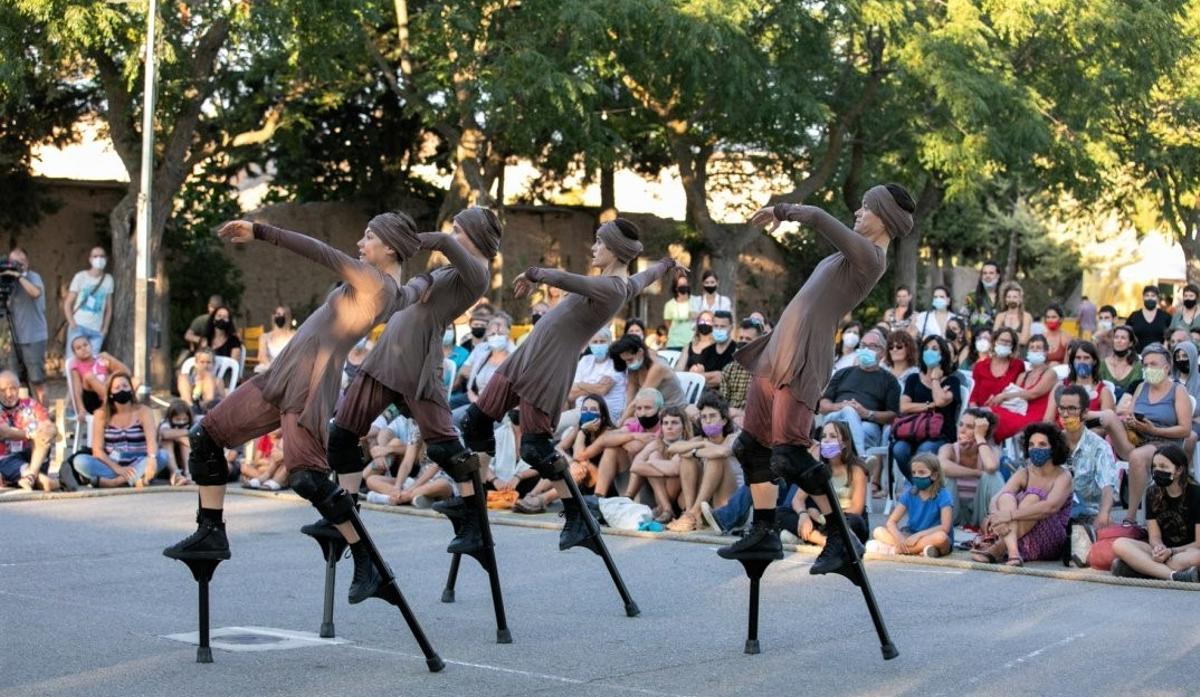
608,194
908,247
1191,257
1014,250
119,341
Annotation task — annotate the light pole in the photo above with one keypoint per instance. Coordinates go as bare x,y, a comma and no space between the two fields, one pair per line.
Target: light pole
141,305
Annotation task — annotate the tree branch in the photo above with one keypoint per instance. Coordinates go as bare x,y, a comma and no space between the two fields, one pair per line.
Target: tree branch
121,128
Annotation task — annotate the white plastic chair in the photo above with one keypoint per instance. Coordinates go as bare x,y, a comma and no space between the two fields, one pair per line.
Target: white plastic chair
668,356
226,369
1062,370
693,386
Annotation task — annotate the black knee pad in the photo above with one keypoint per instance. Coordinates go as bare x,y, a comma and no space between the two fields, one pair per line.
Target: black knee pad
538,450
479,431
345,454
797,466
454,459
755,459
334,504
206,463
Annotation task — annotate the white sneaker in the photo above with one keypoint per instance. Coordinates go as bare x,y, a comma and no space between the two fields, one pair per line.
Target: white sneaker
254,483
931,552
271,485
376,497
706,513
788,537
1082,538
422,501
877,547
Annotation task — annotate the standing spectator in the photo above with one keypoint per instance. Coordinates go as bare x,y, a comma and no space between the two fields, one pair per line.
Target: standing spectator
595,375
273,341
933,322
709,299
936,389
1028,518
848,477
997,370
1026,400
26,435
222,337
929,530
124,440
1188,316
90,376
981,306
1057,340
1092,464
1087,318
901,358
1014,316
848,345
1150,323
971,467
86,306
979,348
735,378
1173,519
864,396
691,359
679,315
1106,319
1122,367
27,306
899,316
708,472
197,330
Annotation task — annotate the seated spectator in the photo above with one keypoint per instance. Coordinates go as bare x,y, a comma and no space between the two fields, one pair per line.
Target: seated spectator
657,340
935,390
90,373
536,312
929,530
996,370
1106,318
265,469
617,447
643,370
478,325
679,315
1177,337
174,441
358,353
454,353
848,476
1185,371
708,472
735,378
971,467
1187,317
483,363
933,322
762,319
1028,518
899,316
1092,465
847,345
222,336
656,466
1084,362
586,443
272,342
1013,315
1057,339
978,349
864,396
1150,323
395,455
1122,367
1027,399
507,471
1173,521
200,388
635,327
720,354
124,440
901,356
595,374
197,330
691,359
26,435
956,339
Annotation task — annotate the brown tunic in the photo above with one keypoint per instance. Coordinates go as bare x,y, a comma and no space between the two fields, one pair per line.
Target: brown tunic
408,358
307,374
798,353
543,368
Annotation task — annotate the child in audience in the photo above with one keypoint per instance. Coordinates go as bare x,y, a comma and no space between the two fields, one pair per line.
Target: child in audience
265,469
173,440
930,526
849,476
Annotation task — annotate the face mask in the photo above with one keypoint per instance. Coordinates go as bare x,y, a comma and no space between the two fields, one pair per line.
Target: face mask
122,396
599,351
991,285
222,324
1154,376
497,342
830,450
98,263
586,417
866,358
940,304
1121,353
1003,350
1162,479
478,332
1035,358
448,337
633,366
850,340
648,422
721,335
1072,423
710,289
712,430
1038,456
1105,324
1189,303
280,320
533,319
951,335
180,424
1150,303
704,329
1053,324
932,357
1013,304
983,346
737,346
1183,365
922,483
683,290
1083,370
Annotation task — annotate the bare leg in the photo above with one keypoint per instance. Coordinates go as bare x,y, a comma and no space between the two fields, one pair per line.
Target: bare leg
1137,554
1139,472
689,471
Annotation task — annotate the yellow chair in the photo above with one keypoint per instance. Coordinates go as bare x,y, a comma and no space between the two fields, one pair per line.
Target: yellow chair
251,336
520,330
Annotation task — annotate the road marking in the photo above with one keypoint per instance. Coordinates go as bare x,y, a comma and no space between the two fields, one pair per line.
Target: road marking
979,677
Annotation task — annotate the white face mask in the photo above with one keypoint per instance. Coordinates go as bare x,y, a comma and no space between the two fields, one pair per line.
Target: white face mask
983,346
1035,358
1003,350
1106,324
850,340
98,263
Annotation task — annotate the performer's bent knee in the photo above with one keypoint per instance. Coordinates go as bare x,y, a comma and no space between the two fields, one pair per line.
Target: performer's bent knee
538,450
345,455
798,466
755,459
334,504
479,430
206,463
454,459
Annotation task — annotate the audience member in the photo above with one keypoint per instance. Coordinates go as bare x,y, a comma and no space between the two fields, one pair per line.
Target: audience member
200,387
272,342
1185,371
1173,520
932,322
124,440
982,305
643,370
1057,339
679,314
1092,465
586,444
536,312
26,435
657,340
848,477
197,331
901,357
929,405
656,466
691,359
507,472
710,299
354,359
899,316
1013,315
970,467
1122,367
848,345
977,349
720,354
478,326
453,352
1188,316
708,472
174,441
265,469
222,336
86,304
1084,362
1150,323
89,376
1026,400
956,340
864,396
27,308
395,456
1087,318
762,320
1105,322
929,530
483,363
596,375
635,327
735,378
1176,337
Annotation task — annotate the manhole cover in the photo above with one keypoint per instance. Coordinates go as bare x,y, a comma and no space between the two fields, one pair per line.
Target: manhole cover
251,639
256,639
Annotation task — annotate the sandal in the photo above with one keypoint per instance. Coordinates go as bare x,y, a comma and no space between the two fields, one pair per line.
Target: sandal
665,517
1014,561
983,557
530,504
28,481
684,523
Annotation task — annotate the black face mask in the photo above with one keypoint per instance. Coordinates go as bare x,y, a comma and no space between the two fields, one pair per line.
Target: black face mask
183,424
478,332
1121,353
1150,303
222,324
1183,365
710,289
951,335
122,397
280,320
704,329
1189,303
683,290
533,319
1162,479
739,344
648,422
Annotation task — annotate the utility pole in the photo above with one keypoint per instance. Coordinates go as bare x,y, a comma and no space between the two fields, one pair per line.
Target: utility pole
141,305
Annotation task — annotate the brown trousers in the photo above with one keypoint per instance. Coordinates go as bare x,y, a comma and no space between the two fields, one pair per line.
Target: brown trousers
245,415
775,417
499,397
366,398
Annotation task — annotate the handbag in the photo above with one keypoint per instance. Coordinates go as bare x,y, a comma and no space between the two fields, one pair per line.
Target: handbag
1101,555
918,428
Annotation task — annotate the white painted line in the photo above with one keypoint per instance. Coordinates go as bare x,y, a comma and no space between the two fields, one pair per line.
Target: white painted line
932,571
979,677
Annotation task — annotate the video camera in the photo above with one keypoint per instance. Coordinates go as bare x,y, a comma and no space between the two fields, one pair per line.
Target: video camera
9,272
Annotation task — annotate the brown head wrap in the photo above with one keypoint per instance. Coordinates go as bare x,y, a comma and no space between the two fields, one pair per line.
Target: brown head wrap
398,231
482,228
879,201
613,237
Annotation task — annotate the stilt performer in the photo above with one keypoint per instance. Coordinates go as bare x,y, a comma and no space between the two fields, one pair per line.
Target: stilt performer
297,394
791,366
537,377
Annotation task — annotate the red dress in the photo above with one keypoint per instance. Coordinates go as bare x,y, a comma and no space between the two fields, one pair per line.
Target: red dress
1010,423
986,385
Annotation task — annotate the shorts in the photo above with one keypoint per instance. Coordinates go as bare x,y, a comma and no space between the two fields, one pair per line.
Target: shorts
10,466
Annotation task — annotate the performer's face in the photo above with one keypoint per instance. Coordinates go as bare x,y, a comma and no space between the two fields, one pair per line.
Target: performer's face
866,222
602,257
464,240
373,251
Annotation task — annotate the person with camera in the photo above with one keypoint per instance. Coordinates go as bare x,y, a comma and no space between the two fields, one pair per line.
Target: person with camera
25,298
87,307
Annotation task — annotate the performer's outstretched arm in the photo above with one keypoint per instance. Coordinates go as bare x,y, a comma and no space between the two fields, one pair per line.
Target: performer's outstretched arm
357,274
639,281
472,272
858,249
588,286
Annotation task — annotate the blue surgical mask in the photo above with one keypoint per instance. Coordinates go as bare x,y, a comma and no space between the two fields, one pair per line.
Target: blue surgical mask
1083,370
498,342
940,304
599,351
448,337
866,357
633,366
586,417
932,357
922,483
1038,456
721,335
1035,358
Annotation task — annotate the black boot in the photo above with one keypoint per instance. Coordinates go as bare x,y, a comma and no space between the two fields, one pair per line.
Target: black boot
760,542
470,536
366,577
575,532
208,542
835,558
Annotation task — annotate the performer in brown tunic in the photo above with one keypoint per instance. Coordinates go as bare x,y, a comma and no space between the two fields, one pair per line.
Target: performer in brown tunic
792,364
297,393
537,377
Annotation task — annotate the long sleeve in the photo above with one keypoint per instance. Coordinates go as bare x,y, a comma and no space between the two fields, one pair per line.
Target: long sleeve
472,270
598,287
639,281
859,250
412,291
358,274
